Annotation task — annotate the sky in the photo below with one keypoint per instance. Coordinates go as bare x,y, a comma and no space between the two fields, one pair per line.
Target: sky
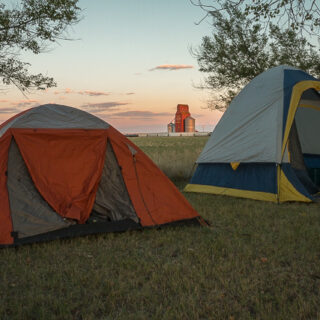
129,63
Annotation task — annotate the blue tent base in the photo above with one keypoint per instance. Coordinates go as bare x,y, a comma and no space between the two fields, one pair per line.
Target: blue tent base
251,180
260,177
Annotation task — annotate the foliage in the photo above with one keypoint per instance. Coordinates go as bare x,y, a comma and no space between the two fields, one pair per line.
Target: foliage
299,15
241,48
29,25
258,260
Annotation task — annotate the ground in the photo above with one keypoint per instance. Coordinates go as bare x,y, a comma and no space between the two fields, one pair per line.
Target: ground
257,260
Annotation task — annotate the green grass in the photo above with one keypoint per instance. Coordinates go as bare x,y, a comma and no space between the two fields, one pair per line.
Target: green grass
258,260
174,155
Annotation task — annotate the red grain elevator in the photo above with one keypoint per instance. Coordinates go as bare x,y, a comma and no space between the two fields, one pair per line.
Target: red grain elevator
181,114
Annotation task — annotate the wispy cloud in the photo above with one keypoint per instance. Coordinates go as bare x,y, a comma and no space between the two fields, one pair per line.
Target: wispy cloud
90,93
9,110
25,103
140,114
17,106
65,91
130,93
68,90
172,67
197,115
94,93
102,107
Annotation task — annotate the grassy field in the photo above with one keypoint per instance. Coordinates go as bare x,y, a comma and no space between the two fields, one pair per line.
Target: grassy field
174,155
258,260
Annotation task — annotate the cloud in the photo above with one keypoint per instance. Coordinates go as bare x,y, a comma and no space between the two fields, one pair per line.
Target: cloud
172,67
25,104
197,115
101,107
68,90
18,106
90,93
9,110
94,93
140,114
130,93
65,91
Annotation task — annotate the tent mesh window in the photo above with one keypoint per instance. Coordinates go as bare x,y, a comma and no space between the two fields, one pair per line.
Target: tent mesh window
297,162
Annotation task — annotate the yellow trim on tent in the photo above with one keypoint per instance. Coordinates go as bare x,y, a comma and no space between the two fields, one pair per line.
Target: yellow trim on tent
256,195
297,91
234,165
287,192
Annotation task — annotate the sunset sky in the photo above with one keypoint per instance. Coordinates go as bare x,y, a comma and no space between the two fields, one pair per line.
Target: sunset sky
129,63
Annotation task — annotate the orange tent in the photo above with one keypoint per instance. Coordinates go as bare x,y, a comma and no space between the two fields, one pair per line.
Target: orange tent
65,172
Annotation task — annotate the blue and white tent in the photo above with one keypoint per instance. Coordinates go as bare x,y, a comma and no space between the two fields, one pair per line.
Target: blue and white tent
266,145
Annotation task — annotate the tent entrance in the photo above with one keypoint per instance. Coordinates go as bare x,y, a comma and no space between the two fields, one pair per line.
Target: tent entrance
32,215
30,212
305,131
297,161
112,201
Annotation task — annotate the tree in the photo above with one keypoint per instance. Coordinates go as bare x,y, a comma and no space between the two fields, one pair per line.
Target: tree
30,25
240,49
300,15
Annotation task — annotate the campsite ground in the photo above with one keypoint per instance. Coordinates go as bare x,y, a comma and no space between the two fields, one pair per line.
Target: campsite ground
258,260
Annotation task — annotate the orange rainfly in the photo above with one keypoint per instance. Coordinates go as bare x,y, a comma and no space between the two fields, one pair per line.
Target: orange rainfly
65,173
153,195
5,217
65,165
